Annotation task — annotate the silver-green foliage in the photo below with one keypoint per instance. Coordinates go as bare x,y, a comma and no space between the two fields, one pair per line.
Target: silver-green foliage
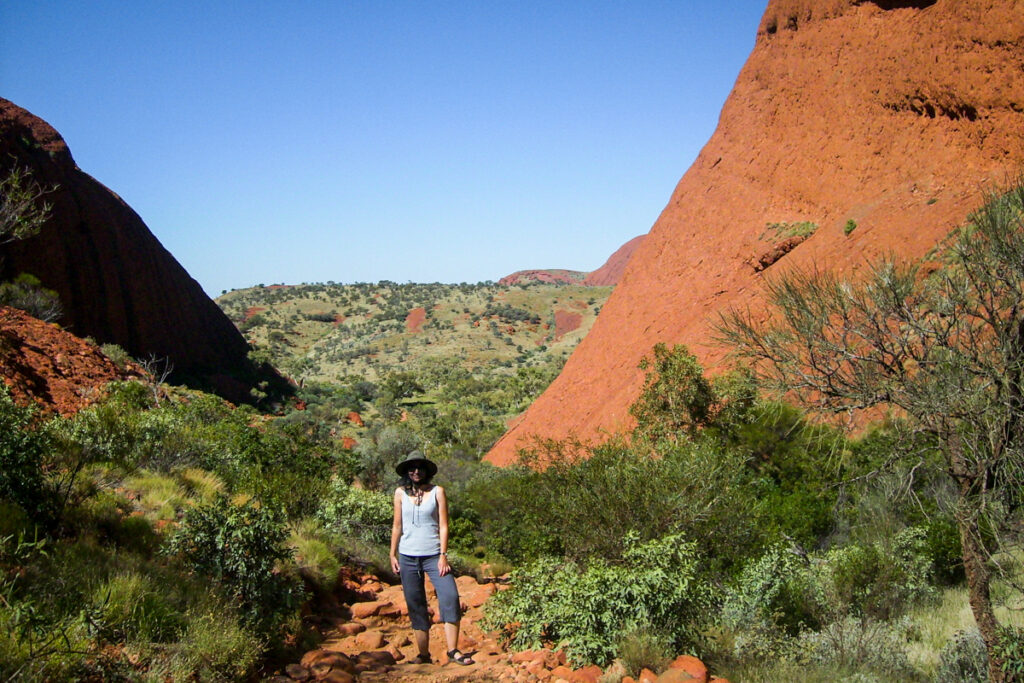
789,606
588,607
358,512
963,659
945,349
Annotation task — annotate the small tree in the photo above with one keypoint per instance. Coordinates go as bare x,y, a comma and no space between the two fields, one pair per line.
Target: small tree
945,350
22,213
676,397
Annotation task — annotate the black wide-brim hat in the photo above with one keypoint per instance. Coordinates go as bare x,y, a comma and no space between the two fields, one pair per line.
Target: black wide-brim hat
417,458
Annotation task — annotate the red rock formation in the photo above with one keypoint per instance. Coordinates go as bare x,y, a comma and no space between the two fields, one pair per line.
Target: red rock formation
611,272
548,277
45,366
115,280
606,275
892,113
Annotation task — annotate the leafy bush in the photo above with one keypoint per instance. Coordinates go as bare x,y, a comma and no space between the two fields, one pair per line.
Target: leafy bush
570,507
879,581
844,595
22,449
1010,649
27,293
381,451
766,599
364,514
238,547
589,607
117,355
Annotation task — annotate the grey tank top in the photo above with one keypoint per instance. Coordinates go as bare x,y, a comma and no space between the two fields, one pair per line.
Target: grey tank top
421,535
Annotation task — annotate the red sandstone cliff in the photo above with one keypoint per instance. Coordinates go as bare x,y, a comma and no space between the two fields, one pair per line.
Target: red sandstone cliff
551,276
611,272
607,275
116,281
893,113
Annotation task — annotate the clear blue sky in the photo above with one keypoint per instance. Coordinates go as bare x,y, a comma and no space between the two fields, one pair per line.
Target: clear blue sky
308,141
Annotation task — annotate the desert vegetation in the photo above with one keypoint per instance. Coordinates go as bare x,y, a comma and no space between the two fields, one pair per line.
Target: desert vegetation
162,532
325,332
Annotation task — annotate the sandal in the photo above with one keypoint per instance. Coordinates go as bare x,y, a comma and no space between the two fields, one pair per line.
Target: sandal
421,659
459,658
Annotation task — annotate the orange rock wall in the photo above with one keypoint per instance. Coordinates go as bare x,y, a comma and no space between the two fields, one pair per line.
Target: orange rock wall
894,114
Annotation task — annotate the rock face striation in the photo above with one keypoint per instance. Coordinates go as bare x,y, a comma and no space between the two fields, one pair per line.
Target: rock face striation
116,281
878,123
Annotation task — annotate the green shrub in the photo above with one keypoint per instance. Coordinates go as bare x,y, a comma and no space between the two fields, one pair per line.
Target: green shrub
27,293
568,508
239,548
784,229
381,451
117,355
1010,648
14,520
942,539
879,581
850,226
316,560
767,597
357,512
589,607
23,448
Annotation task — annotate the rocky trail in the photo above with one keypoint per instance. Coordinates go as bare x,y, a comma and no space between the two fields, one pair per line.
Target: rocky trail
367,638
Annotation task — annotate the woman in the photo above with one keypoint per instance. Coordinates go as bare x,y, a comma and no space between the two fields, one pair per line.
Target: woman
419,543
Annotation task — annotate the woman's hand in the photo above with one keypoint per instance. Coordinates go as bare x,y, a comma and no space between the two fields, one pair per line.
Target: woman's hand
395,567
442,565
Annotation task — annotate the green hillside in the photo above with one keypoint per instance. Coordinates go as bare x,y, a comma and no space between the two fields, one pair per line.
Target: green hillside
442,367
327,332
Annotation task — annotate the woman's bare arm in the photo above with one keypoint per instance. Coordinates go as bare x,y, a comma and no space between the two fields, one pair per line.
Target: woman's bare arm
442,521
396,530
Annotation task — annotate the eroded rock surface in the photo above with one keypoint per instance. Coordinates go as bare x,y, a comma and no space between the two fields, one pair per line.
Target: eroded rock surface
115,280
894,114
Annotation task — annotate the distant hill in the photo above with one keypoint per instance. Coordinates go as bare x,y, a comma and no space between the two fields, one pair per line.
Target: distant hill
325,332
606,276
553,276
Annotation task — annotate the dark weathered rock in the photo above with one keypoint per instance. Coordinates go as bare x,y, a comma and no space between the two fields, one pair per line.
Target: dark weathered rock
115,280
